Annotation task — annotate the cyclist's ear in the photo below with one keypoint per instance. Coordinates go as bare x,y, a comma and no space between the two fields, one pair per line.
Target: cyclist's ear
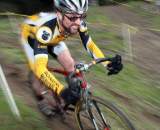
59,14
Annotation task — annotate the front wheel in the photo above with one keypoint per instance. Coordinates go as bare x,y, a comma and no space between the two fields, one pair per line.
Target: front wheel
101,115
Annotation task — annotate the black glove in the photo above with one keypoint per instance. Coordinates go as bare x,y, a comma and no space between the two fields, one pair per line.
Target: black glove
115,66
72,93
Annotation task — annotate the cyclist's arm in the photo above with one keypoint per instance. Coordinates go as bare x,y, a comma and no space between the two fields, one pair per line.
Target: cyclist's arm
41,71
89,45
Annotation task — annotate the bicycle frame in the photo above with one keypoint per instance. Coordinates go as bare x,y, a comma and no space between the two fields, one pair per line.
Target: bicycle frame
80,73
86,100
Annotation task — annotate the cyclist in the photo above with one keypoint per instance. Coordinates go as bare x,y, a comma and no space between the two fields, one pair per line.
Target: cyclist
45,33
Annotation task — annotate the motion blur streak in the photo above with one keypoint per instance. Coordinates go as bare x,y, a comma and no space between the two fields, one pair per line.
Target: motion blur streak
8,95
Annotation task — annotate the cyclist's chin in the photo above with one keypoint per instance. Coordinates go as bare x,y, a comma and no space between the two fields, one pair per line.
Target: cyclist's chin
73,31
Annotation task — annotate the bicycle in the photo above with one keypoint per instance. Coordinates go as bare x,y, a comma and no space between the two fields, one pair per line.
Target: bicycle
93,113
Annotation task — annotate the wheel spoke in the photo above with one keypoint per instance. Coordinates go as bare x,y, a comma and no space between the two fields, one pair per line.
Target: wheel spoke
103,116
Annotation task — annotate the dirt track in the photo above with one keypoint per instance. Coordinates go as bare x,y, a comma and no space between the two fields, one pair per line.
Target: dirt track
146,50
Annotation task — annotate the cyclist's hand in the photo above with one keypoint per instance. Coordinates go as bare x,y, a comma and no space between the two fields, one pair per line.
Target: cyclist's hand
115,65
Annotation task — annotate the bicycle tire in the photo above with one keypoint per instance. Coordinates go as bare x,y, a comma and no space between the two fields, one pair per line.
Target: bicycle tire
115,117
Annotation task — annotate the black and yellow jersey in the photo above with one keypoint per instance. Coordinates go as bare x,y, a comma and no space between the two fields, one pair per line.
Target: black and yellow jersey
42,31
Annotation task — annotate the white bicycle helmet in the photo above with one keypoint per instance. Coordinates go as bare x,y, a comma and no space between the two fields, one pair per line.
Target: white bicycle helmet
72,6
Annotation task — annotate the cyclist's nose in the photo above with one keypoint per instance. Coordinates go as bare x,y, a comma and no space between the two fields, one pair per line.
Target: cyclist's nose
78,21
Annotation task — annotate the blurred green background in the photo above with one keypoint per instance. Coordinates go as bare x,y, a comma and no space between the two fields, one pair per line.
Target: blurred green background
114,28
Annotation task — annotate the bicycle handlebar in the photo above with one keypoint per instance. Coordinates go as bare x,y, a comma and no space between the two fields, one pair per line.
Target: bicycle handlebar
85,67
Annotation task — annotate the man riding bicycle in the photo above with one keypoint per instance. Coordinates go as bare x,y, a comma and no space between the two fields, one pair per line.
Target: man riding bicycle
44,34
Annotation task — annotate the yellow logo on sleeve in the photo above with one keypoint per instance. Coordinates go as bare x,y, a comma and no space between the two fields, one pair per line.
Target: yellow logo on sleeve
44,35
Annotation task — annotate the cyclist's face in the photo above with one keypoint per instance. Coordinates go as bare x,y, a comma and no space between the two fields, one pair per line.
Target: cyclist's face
71,22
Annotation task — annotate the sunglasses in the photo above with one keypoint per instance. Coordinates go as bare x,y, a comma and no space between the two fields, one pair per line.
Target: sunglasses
74,18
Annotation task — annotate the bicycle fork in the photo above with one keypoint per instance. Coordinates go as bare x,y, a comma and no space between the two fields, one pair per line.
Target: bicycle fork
93,118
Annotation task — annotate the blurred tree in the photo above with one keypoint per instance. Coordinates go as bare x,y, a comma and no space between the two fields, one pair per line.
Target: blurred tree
26,6
102,2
